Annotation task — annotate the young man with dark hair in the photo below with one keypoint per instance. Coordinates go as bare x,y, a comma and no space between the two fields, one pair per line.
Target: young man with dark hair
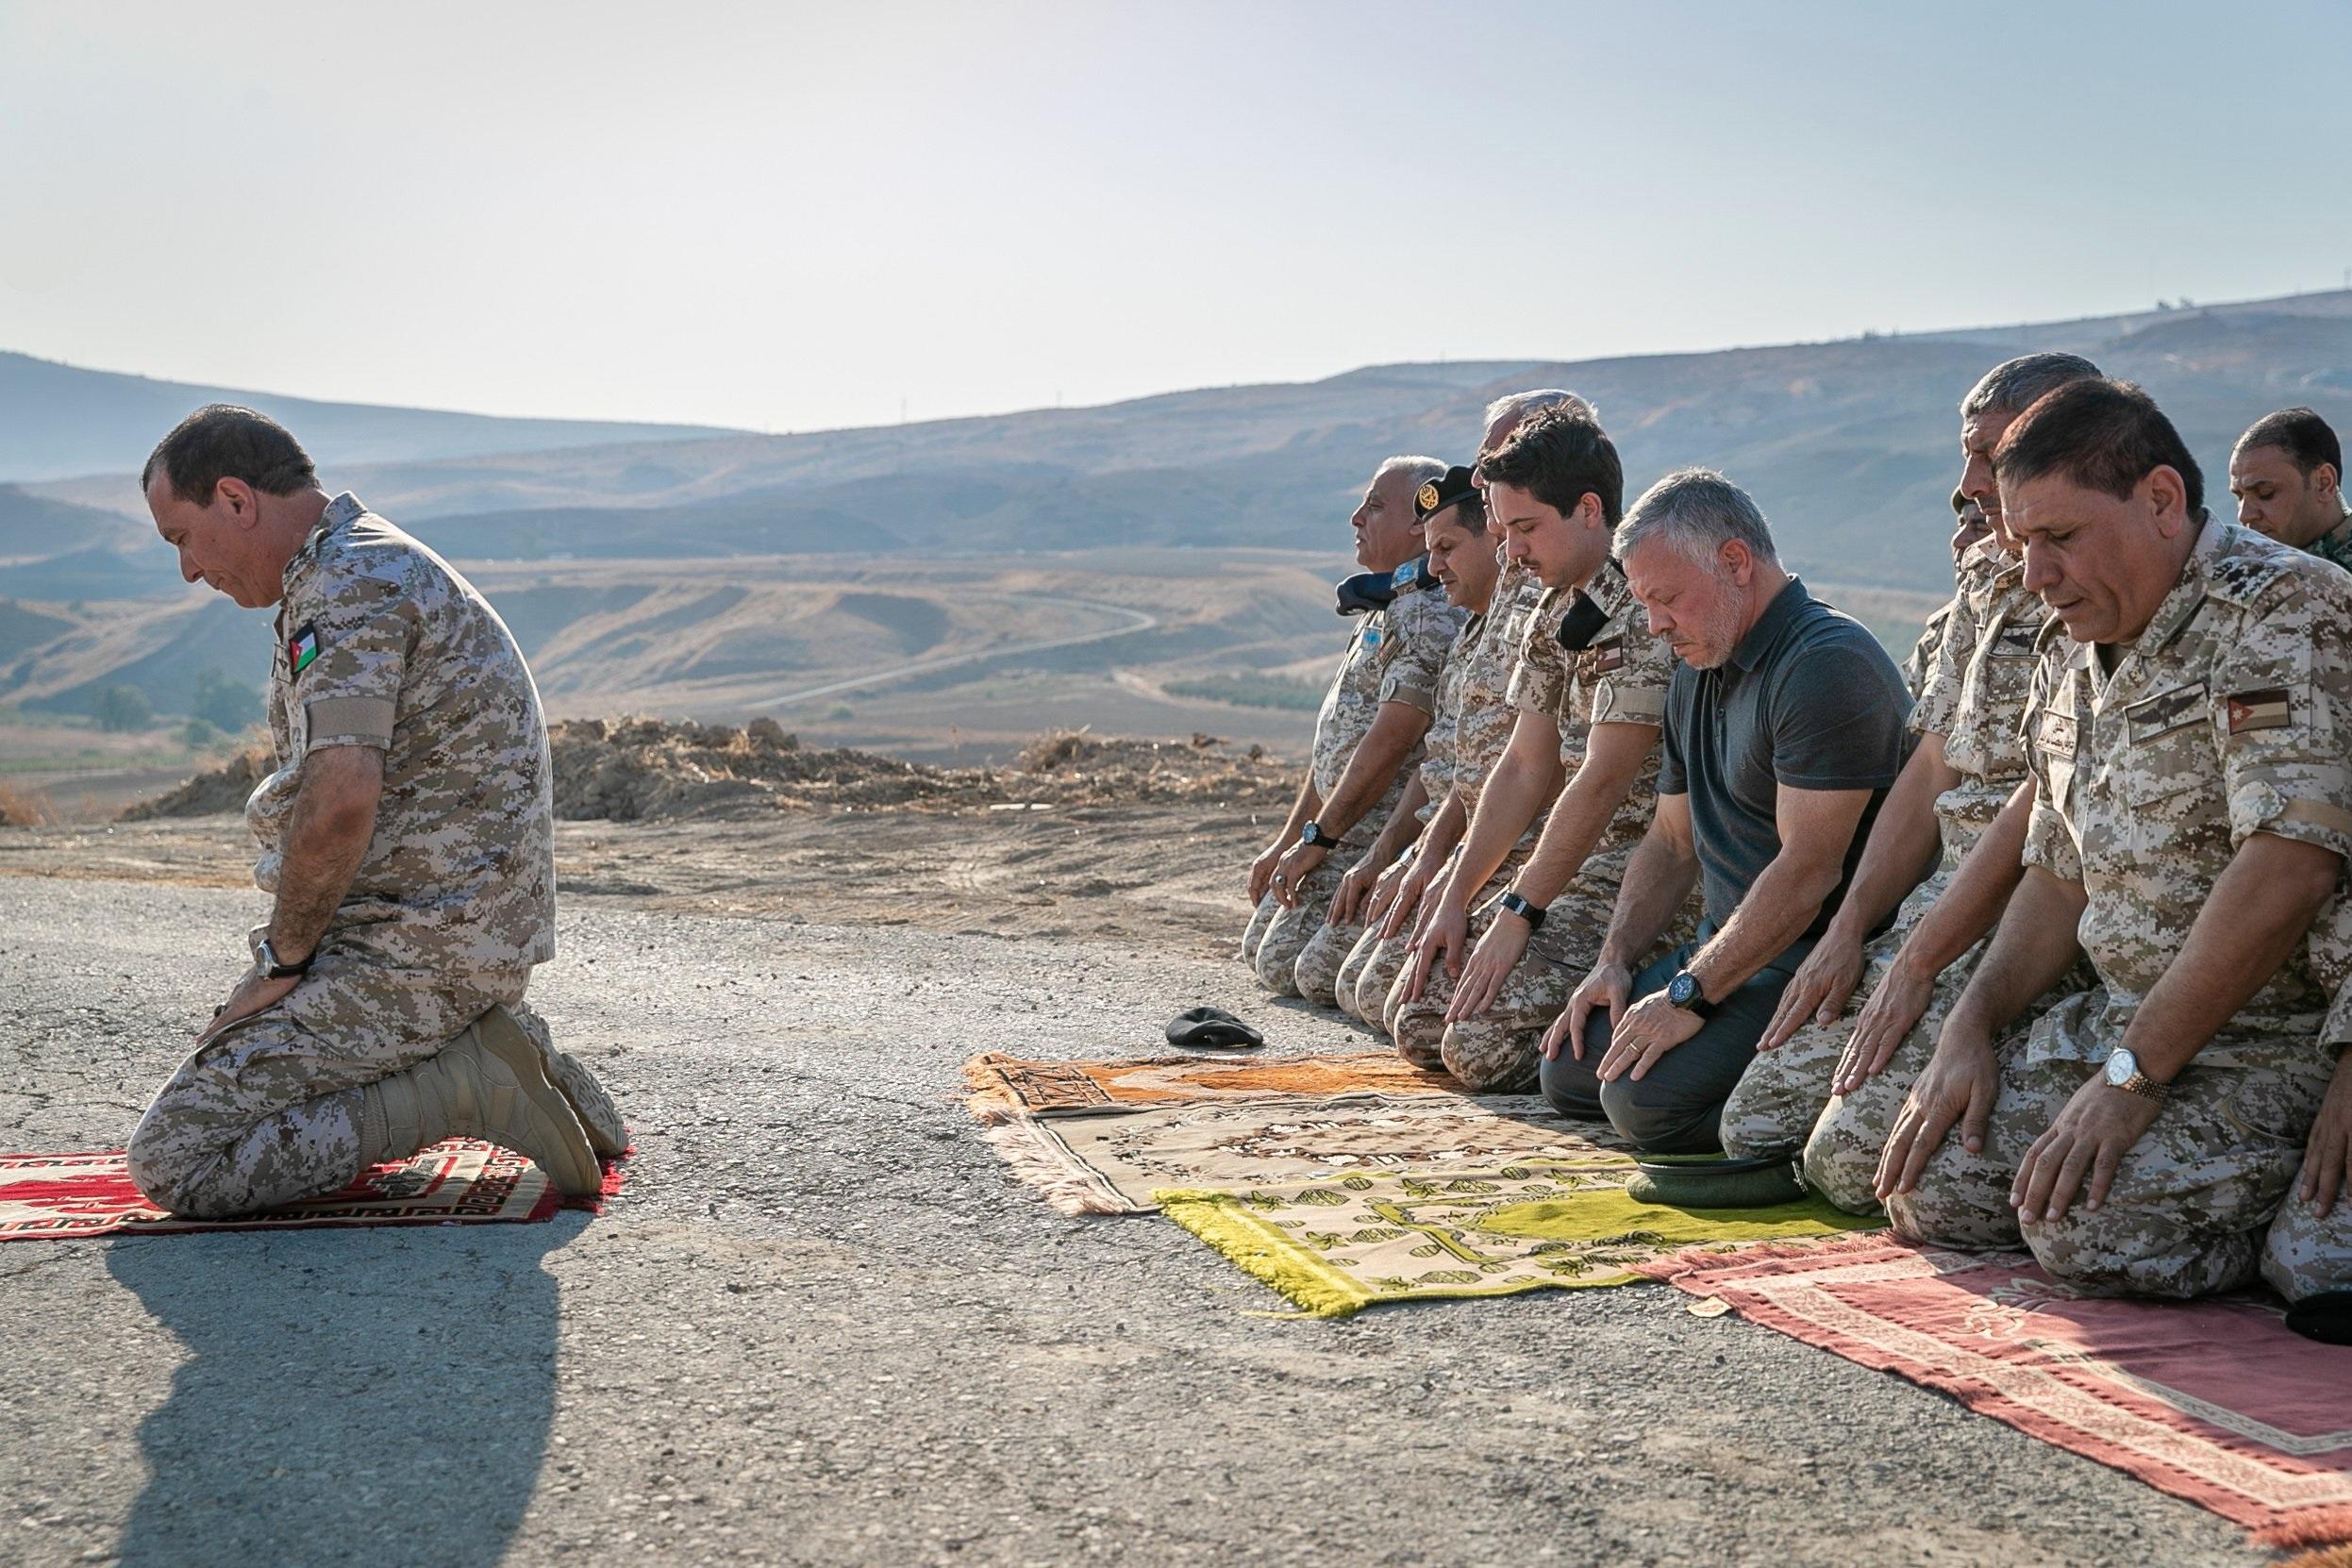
1586,690
2286,472
2192,812
408,838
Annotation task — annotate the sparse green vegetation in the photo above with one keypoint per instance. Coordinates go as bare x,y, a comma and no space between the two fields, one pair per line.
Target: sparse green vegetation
124,709
1250,692
224,704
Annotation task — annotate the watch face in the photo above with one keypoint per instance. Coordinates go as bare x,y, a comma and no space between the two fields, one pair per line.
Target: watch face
2122,1067
1682,988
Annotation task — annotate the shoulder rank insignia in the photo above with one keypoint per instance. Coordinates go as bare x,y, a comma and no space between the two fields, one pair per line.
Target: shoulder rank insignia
301,649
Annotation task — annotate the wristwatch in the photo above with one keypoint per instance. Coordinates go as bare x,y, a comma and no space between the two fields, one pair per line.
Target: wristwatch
1532,913
2123,1072
1313,836
273,968
1684,992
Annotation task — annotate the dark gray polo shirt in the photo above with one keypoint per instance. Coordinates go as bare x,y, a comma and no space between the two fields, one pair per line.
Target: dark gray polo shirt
1809,699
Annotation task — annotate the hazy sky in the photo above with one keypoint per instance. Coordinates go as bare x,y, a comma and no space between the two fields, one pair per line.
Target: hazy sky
795,216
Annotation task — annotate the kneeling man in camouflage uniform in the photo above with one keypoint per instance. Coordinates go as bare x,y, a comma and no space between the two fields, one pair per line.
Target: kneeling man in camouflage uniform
2192,816
407,837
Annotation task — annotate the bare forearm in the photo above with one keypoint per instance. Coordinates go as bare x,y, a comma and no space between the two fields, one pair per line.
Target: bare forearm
1404,825
1905,843
1382,751
1779,904
1658,878
1302,810
1527,776
2259,911
2034,947
1444,829
326,838
1613,758
1972,902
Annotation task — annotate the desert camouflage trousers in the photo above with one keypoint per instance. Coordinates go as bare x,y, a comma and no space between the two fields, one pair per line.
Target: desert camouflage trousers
1277,937
1495,1052
267,1111
2186,1213
2308,1253
1370,972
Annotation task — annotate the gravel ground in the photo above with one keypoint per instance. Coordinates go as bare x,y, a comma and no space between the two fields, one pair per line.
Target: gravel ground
822,1326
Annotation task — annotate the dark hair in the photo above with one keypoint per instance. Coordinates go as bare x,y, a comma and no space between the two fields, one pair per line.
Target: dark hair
1469,514
221,440
1560,455
2103,435
2303,435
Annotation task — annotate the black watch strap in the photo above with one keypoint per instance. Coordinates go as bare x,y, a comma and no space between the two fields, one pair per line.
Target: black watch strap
1684,992
1313,836
1532,913
276,969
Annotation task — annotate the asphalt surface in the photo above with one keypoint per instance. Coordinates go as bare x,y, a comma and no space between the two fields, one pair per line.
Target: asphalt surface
822,1326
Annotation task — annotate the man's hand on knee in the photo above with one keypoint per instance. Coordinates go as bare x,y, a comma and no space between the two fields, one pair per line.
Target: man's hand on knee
254,993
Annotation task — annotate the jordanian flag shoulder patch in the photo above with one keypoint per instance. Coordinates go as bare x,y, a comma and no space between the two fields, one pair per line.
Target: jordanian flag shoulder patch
301,649
2265,709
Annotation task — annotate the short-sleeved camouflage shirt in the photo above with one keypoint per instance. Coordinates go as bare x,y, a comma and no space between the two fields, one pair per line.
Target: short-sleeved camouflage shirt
1396,655
1921,661
381,643
1619,677
1976,693
2228,717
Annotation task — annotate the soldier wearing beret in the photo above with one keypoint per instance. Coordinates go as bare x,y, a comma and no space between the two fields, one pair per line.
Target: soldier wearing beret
2191,817
406,836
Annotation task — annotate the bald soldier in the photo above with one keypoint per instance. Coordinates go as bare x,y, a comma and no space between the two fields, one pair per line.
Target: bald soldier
1966,764
406,836
2192,814
1368,733
2286,473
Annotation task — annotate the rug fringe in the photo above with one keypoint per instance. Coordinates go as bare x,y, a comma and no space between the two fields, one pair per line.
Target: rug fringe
1036,1164
1213,1218
2329,1528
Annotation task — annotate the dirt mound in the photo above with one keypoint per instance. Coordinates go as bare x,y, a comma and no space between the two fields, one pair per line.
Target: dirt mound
211,793
630,770
650,770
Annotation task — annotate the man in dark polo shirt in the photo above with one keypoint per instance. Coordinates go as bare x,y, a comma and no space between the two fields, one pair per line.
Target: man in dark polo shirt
1784,730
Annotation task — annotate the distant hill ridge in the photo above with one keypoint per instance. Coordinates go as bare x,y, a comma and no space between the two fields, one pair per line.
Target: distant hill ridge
1849,445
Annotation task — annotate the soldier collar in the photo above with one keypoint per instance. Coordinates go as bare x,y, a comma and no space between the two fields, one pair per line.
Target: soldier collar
2179,607
340,513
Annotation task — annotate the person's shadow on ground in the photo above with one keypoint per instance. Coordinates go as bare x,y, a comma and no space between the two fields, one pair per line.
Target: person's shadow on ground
379,1397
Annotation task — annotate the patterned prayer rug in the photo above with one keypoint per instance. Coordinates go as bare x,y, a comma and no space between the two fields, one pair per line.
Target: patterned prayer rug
1340,1244
62,1196
1007,1086
2215,1401
1111,1162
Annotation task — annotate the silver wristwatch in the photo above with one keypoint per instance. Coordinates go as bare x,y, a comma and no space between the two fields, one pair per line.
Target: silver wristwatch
273,968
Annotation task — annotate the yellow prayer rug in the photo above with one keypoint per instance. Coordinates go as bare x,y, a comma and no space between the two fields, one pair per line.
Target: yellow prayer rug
1338,1244
1111,1162
1006,1086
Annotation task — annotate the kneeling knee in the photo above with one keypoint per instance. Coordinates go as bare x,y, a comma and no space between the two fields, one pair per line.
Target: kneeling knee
1661,1121
164,1173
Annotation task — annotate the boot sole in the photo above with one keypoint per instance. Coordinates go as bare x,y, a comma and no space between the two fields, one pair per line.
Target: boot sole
601,1119
572,1164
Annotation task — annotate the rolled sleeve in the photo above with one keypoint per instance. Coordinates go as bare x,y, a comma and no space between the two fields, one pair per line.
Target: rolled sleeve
1633,688
2282,697
1421,630
1539,678
349,691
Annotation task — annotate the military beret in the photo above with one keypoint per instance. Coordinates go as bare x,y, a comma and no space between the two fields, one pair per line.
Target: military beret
1438,494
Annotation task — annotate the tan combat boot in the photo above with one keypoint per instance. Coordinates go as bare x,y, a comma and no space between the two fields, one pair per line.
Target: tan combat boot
606,1133
488,1083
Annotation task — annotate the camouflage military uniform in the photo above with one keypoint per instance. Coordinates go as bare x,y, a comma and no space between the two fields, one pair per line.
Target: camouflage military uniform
1619,675
1351,952
1921,661
380,643
1974,696
2306,1253
2224,719
1394,657
2335,545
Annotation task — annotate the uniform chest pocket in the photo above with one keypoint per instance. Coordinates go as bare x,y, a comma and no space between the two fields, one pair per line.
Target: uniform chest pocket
2170,802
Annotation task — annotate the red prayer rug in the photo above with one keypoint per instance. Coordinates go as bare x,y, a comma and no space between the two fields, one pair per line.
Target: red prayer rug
462,1182
2216,1401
